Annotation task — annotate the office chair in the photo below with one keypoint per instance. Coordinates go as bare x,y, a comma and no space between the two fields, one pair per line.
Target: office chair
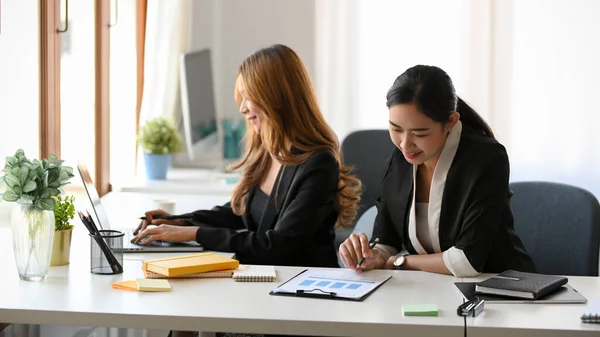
366,222
559,225
368,151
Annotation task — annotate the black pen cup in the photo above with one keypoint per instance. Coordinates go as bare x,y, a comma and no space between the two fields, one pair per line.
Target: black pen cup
107,252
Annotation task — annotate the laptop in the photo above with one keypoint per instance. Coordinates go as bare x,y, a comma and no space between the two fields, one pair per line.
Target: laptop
128,246
565,294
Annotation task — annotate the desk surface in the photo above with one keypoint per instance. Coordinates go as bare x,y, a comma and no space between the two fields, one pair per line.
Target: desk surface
71,295
184,181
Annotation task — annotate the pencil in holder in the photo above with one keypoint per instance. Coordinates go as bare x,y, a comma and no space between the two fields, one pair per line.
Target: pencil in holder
107,252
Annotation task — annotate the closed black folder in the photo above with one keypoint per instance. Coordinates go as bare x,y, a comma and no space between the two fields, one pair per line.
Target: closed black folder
520,284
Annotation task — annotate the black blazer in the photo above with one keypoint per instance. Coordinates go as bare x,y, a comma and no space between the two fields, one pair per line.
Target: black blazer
475,213
297,228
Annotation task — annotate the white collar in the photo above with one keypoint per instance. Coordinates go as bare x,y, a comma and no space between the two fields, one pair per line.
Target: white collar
436,192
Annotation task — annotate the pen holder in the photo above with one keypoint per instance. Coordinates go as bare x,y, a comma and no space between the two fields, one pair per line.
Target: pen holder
107,252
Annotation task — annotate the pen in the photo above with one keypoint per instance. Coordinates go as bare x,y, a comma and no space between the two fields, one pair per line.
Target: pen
168,217
371,247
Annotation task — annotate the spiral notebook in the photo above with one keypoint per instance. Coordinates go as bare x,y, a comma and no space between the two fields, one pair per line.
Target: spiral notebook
246,273
592,313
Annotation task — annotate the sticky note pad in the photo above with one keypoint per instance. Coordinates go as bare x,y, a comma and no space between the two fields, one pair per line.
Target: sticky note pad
420,310
126,285
153,284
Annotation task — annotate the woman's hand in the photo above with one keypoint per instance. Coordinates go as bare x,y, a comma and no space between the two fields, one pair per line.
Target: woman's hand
355,248
389,264
151,221
166,233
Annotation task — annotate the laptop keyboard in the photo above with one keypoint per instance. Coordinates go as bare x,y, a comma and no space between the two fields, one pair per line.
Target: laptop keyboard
128,233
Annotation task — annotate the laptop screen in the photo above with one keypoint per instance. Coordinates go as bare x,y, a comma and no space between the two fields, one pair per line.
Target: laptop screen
92,193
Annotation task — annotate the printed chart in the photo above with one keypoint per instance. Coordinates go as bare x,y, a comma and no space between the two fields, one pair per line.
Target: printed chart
346,284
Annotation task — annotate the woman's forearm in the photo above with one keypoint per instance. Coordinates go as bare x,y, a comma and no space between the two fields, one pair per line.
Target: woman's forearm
433,263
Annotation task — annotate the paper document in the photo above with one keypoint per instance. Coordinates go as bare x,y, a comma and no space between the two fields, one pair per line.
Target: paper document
334,283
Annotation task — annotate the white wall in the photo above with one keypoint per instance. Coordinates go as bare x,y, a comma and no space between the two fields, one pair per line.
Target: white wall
19,79
550,128
19,85
233,29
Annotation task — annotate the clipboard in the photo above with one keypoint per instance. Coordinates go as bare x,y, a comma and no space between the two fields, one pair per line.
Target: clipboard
344,285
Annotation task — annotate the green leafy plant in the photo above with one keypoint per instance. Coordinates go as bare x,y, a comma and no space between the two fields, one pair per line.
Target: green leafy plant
159,136
63,213
35,182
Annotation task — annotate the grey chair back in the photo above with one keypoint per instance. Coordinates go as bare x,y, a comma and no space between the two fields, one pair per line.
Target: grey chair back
559,225
368,151
366,222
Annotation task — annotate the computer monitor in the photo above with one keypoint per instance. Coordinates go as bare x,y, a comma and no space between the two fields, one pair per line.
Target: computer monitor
198,124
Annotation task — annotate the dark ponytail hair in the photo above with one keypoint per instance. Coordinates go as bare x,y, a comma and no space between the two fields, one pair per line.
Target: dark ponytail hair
432,91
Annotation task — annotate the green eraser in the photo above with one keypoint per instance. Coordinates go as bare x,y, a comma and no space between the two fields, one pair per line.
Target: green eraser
420,310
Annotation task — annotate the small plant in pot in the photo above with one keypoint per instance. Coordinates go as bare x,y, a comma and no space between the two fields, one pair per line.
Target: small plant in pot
64,212
159,139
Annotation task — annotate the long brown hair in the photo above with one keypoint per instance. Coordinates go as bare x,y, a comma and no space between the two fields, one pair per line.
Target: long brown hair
276,80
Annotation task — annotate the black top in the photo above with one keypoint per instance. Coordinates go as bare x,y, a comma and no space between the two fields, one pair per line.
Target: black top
475,214
259,204
297,227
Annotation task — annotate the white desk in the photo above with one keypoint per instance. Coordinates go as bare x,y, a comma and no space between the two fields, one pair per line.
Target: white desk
71,295
183,181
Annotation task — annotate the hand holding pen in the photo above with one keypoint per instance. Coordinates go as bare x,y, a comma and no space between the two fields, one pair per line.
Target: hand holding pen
358,254
371,246
160,217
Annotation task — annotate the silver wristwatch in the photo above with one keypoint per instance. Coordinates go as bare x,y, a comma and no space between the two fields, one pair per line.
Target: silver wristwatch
399,261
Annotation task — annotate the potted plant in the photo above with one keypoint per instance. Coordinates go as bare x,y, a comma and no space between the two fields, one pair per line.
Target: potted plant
64,212
159,139
33,184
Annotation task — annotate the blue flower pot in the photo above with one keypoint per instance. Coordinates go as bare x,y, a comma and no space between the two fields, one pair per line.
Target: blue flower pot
157,165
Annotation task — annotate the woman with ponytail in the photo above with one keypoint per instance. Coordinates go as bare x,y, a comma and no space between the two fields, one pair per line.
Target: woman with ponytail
445,199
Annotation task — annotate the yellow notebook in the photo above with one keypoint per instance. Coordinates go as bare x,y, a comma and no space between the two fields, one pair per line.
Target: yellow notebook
209,274
189,264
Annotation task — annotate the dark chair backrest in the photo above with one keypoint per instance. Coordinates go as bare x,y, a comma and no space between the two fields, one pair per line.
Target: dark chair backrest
559,225
368,151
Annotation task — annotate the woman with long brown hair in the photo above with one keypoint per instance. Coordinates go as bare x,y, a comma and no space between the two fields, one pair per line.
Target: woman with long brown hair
294,187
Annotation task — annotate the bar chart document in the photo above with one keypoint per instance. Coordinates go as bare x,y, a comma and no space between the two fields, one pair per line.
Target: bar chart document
335,284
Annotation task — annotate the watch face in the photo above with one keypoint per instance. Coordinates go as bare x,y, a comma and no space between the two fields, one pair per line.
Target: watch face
399,261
